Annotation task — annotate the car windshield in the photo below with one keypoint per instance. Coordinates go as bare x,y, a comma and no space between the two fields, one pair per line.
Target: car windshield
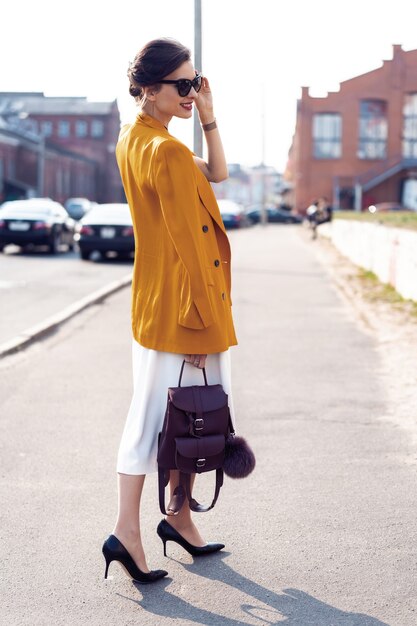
76,205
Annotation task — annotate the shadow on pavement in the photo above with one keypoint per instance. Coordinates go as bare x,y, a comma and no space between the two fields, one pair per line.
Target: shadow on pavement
292,607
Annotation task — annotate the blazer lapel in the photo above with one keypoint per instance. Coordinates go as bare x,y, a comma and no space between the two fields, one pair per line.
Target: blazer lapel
205,191
208,198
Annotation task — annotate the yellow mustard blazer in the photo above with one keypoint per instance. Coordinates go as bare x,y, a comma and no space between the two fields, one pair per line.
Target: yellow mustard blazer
181,276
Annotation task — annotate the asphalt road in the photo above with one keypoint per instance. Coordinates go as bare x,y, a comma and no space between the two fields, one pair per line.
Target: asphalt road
321,534
36,285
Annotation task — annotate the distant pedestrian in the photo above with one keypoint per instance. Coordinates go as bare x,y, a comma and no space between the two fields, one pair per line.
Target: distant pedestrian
324,210
311,213
181,305
312,210
318,213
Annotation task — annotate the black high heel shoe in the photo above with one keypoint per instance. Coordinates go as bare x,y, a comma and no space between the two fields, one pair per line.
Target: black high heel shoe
113,550
167,533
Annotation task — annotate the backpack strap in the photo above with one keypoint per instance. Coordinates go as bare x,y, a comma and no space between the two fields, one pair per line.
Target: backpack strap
183,491
162,483
231,427
178,497
193,504
197,429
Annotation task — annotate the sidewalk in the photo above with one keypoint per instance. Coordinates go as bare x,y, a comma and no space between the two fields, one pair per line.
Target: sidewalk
35,286
321,534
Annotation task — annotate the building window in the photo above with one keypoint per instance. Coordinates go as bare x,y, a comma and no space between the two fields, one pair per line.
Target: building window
81,128
410,126
33,126
97,128
46,129
373,129
63,128
327,136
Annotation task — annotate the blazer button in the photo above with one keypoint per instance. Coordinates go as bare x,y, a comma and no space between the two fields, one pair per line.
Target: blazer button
205,228
223,295
217,262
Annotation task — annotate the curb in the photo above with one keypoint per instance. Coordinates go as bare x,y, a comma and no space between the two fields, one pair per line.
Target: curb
34,333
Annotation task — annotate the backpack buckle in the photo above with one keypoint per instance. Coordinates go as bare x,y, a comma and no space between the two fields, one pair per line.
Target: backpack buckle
201,463
200,422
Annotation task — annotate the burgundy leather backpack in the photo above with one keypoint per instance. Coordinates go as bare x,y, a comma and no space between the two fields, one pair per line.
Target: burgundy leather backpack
196,424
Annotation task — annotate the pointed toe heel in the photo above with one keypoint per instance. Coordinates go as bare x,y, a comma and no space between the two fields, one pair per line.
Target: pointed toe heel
166,532
114,550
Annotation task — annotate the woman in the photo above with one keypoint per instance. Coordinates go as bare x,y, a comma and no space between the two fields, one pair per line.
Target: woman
181,305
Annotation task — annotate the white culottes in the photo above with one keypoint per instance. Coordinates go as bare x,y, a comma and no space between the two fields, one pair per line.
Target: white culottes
153,373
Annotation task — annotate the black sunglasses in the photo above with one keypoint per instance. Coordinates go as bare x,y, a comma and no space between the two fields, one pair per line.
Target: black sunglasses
184,85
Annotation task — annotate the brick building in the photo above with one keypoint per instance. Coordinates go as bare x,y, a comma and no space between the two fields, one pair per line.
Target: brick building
58,147
358,146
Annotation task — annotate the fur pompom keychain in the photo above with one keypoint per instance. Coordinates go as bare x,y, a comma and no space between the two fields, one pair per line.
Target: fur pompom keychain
239,459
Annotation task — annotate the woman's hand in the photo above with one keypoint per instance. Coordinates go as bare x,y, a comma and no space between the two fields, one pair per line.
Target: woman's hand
204,102
198,360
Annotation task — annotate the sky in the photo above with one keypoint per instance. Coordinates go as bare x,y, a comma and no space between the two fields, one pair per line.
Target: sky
257,55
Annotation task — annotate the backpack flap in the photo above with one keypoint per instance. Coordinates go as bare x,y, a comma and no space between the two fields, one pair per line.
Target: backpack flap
212,397
195,454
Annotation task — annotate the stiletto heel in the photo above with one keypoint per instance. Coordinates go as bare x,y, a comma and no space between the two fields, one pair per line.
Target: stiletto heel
166,532
114,550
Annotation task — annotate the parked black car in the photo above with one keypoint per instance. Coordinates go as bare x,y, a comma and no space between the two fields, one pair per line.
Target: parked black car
233,214
106,228
36,222
275,215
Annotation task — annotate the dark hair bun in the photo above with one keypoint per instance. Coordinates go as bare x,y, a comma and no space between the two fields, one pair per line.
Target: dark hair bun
135,90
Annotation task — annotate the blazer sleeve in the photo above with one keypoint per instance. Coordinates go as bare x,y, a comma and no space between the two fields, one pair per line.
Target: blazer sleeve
176,185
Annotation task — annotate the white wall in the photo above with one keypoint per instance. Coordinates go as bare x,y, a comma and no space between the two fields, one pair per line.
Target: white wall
391,253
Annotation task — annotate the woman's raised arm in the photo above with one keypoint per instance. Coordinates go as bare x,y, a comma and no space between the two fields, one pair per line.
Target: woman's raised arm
215,168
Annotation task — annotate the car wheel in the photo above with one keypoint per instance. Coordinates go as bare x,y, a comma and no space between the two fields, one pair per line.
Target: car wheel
84,255
55,243
2,246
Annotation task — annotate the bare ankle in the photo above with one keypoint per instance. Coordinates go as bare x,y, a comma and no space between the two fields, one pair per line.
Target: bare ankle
132,535
179,522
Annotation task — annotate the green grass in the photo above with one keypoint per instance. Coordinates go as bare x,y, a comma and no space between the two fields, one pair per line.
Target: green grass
397,219
375,290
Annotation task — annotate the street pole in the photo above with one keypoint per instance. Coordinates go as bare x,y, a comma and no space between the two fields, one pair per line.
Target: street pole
198,133
264,216
41,167
358,197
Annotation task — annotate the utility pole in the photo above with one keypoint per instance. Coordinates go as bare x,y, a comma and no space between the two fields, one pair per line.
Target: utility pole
358,197
41,167
198,64
264,216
